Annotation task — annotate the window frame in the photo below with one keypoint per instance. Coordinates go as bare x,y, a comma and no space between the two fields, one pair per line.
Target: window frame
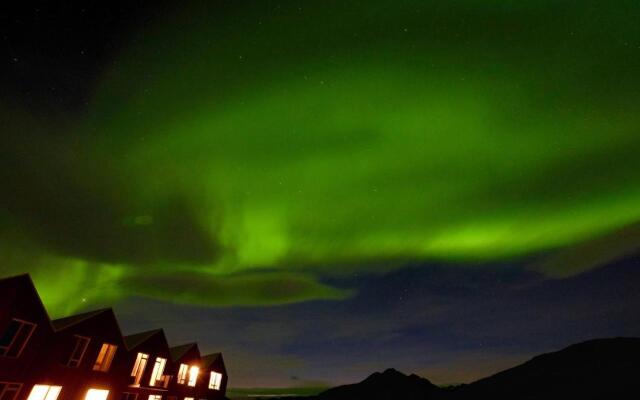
97,390
79,339
129,396
104,360
157,373
47,394
7,387
142,359
194,372
183,371
215,384
5,350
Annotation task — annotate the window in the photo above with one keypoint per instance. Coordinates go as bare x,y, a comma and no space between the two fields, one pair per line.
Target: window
129,396
9,390
193,375
139,366
103,362
15,337
155,397
182,374
44,392
96,394
158,370
215,380
79,347
188,398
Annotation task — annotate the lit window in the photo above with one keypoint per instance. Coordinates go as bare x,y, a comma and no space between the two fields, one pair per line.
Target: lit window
44,392
155,397
193,375
182,374
15,337
215,380
103,362
96,394
188,398
79,347
129,396
139,366
158,370
9,390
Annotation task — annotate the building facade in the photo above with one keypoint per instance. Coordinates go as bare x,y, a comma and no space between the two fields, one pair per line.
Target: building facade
86,357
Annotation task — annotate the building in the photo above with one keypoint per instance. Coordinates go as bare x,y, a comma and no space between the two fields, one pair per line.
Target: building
86,357
148,354
25,329
216,377
187,366
81,350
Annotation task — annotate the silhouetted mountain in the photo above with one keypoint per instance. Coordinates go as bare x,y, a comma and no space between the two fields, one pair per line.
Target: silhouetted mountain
389,384
597,369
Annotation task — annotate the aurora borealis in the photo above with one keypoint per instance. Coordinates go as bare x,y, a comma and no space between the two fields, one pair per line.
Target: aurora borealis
270,156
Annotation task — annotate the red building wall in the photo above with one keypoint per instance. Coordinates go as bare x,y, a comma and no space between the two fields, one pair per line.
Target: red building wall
19,299
45,357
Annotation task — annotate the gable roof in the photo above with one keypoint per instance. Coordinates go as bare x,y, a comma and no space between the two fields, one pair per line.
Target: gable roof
137,339
17,278
24,281
66,322
177,352
209,359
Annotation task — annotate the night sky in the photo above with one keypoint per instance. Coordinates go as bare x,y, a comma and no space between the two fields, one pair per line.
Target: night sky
322,189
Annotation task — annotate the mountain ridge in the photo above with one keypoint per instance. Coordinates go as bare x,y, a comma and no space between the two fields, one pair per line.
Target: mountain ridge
595,369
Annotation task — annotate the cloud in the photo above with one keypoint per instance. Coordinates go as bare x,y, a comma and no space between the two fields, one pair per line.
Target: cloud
252,288
591,254
451,324
76,206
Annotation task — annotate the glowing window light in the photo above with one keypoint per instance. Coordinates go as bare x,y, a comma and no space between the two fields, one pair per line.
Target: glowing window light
103,362
139,366
44,392
129,396
215,380
182,374
188,398
158,370
96,394
155,397
193,375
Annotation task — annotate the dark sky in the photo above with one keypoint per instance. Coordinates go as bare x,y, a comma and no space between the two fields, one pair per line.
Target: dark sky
324,189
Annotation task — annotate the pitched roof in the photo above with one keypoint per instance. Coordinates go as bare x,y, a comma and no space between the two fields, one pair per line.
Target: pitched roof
209,359
136,339
66,322
178,351
27,282
18,277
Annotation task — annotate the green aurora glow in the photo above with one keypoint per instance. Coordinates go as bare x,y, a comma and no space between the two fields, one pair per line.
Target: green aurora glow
240,155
